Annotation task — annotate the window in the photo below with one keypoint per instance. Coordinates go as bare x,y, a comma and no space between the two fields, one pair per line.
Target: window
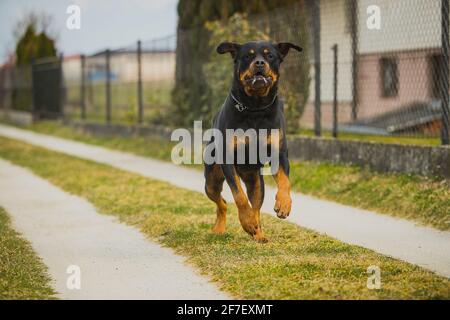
389,77
436,67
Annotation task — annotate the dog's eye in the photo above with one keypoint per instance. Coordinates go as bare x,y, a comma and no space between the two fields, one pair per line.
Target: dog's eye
270,56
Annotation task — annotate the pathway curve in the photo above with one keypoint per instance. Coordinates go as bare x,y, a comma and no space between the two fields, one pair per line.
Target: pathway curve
402,239
115,260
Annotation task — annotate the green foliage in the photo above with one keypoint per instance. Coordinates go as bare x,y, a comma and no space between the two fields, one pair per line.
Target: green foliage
31,45
201,86
295,78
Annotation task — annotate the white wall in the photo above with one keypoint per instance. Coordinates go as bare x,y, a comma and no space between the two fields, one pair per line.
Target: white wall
334,29
155,66
405,25
72,69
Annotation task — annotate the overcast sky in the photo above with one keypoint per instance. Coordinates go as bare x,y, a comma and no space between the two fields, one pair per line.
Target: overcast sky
104,23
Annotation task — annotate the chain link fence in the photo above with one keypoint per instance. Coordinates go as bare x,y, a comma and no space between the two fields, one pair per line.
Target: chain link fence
376,68
390,69
128,85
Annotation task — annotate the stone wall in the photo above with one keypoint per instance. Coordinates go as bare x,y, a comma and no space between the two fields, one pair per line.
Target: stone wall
382,157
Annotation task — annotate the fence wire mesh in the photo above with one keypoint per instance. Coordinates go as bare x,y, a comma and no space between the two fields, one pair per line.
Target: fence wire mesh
389,70
389,77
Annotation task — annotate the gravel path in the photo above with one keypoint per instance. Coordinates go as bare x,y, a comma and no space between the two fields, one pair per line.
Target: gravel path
394,237
115,260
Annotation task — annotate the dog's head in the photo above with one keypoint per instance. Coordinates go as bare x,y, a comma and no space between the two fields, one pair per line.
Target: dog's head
256,64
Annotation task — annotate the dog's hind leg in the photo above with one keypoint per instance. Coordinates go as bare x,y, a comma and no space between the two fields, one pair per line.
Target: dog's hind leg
247,215
213,188
254,183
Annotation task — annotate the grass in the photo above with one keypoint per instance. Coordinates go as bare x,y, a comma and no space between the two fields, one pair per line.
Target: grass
296,264
22,273
424,200
399,139
421,199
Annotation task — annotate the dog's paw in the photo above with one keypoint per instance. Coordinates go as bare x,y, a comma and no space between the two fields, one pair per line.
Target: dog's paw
283,205
218,229
260,238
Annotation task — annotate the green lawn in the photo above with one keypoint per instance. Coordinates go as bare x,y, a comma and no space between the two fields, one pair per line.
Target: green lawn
399,139
421,199
296,264
22,273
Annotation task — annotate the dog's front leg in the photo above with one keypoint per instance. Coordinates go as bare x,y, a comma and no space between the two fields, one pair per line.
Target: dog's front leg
247,215
283,200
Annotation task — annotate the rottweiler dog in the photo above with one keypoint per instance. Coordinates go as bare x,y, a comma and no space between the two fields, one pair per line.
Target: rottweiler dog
252,103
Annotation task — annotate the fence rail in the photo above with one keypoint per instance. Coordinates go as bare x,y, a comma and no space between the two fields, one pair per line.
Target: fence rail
131,84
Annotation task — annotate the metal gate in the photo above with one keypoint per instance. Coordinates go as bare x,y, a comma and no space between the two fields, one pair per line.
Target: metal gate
47,89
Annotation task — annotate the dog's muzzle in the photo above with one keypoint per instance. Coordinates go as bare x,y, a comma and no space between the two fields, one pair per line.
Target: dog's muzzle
259,81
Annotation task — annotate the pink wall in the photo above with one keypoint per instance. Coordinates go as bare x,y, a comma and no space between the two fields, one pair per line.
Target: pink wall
414,76
344,114
414,85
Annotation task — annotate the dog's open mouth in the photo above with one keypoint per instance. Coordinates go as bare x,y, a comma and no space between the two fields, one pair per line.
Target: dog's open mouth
258,80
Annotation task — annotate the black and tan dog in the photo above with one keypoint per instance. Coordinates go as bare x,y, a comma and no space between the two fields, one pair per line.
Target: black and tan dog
252,104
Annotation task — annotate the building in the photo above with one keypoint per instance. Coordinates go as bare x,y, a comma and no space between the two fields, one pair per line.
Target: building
156,65
398,65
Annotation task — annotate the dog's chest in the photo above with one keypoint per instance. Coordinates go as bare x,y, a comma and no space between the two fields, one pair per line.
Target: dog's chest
257,132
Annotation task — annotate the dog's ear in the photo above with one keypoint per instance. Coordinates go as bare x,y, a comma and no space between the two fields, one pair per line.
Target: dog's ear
283,48
230,47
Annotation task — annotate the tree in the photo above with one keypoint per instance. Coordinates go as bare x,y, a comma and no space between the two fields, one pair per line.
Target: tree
33,43
196,92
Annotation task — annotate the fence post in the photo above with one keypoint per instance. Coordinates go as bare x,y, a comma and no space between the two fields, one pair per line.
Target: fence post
445,72
139,84
83,87
315,12
108,87
62,88
34,110
9,87
335,84
353,14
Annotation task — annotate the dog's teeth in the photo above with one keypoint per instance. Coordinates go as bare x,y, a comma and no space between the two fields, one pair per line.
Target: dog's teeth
254,80
265,81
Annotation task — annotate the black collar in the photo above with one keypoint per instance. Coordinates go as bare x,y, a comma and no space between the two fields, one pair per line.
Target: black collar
241,107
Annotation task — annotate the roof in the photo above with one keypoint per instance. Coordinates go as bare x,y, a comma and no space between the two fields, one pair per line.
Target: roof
400,120
132,51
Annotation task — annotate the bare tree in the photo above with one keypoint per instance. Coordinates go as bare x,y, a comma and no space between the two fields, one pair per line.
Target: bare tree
40,20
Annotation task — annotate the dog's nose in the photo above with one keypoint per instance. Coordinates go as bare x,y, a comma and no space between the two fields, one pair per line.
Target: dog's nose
260,63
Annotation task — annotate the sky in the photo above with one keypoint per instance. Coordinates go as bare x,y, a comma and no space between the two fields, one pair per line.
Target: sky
104,23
